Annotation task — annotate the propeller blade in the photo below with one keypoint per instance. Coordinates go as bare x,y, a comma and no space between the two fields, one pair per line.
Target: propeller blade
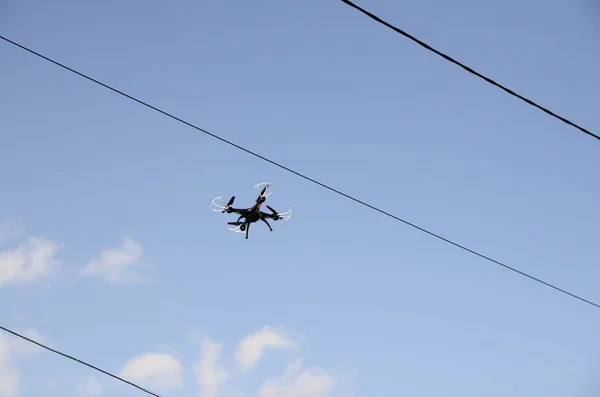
262,193
272,210
228,204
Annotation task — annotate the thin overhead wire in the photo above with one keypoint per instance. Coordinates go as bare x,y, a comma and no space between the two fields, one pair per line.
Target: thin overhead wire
310,179
468,69
78,361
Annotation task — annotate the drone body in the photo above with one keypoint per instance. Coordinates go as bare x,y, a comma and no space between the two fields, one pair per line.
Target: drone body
247,216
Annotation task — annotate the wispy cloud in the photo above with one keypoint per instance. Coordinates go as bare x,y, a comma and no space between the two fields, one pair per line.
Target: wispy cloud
31,261
120,265
251,349
156,370
89,387
10,379
297,381
208,372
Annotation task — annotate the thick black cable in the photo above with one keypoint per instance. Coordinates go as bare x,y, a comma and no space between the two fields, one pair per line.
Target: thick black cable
468,69
78,361
310,179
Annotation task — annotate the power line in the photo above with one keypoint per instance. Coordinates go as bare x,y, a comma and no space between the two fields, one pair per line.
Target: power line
308,178
468,69
78,361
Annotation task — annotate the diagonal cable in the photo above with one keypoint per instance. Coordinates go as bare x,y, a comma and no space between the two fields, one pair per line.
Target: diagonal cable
468,69
78,361
310,179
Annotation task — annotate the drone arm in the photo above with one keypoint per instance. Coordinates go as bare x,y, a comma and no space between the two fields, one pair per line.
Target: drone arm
284,216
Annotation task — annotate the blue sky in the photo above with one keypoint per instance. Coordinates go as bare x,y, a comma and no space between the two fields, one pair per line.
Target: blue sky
340,301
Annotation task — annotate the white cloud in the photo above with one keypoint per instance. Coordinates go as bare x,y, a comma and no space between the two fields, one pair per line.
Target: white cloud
118,265
299,382
12,349
90,387
207,370
30,261
157,370
213,377
250,350
10,378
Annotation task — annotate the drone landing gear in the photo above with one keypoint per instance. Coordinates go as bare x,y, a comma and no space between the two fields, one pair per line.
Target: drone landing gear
240,227
265,221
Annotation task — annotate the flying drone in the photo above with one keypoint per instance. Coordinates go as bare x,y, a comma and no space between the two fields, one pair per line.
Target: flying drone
252,214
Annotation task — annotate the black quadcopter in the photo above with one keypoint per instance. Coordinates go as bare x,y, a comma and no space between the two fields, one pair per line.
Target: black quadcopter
252,214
